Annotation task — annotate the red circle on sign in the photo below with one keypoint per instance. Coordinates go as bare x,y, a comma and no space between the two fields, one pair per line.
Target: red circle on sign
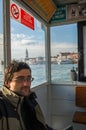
15,11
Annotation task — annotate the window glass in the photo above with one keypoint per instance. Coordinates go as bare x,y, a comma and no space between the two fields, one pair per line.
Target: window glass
1,44
64,56
29,45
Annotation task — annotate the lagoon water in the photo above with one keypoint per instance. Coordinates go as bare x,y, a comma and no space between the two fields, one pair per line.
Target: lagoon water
59,72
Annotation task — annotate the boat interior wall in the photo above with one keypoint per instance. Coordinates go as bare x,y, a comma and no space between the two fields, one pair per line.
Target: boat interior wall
80,101
43,99
80,96
69,128
60,106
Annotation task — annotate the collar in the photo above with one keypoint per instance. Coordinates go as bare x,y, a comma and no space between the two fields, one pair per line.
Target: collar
12,97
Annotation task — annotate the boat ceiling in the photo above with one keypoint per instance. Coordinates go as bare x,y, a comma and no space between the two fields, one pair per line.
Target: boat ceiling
51,12
58,2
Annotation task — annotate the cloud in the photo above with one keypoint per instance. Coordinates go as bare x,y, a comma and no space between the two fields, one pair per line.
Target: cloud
22,39
19,43
1,38
33,51
1,46
63,47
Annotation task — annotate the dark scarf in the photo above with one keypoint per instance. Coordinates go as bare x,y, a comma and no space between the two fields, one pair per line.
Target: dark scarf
29,116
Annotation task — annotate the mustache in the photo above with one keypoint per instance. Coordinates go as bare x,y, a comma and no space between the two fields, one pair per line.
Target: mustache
24,87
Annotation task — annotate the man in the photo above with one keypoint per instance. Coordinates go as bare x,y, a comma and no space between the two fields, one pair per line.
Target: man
18,108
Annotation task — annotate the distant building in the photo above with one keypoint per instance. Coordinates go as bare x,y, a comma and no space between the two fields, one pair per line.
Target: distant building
67,56
40,60
31,61
26,55
53,59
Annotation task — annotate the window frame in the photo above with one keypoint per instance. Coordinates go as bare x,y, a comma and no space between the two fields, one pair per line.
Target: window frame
81,67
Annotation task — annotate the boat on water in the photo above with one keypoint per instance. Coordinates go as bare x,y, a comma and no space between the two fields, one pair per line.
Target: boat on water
66,61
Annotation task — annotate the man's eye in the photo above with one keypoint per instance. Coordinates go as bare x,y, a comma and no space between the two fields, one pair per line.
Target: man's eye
20,77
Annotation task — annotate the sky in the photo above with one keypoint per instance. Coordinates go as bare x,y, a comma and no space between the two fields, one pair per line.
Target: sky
63,38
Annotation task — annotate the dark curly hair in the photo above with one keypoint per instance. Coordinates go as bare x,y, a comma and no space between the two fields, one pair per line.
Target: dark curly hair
13,67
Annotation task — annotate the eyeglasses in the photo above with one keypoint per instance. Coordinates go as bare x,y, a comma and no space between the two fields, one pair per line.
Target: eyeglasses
22,79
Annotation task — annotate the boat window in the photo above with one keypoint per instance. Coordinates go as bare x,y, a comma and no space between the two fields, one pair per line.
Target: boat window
28,44
64,56
1,44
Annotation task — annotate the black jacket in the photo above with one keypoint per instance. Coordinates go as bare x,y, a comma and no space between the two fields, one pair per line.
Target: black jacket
17,113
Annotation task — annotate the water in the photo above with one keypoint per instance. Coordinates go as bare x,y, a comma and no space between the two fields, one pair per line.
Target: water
39,74
59,72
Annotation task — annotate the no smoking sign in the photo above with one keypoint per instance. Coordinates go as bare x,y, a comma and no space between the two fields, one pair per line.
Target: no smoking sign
15,11
21,15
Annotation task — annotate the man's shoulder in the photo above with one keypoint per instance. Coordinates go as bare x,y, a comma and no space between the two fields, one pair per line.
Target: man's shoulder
1,101
1,94
1,98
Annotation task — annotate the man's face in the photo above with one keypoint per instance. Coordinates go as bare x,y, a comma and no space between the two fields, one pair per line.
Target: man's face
21,82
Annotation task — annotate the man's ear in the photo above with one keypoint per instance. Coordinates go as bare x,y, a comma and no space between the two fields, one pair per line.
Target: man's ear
7,84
